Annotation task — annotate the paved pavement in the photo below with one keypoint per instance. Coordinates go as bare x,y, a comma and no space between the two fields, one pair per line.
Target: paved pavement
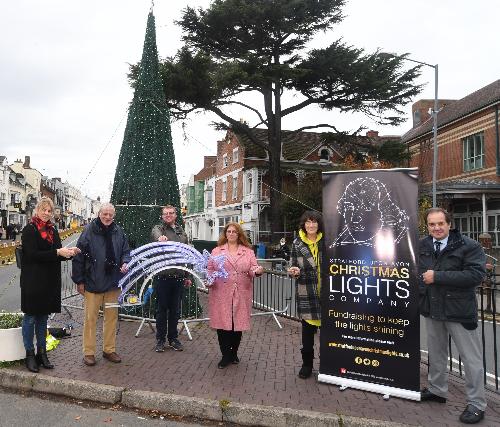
266,375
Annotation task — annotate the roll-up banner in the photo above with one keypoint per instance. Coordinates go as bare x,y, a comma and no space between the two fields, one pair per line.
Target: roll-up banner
370,336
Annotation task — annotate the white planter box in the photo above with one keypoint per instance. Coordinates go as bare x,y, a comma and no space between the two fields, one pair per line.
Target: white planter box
11,347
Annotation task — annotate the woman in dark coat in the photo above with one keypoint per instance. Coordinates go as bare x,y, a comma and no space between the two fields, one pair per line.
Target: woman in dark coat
305,260
40,281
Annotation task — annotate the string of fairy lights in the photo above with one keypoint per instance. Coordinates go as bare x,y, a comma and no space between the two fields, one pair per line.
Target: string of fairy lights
103,150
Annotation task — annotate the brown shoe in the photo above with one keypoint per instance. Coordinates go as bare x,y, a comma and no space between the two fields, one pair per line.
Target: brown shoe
89,360
112,357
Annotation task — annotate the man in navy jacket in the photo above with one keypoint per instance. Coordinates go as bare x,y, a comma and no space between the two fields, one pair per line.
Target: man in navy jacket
96,271
451,266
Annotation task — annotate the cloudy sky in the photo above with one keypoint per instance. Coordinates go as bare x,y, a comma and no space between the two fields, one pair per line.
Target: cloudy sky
64,92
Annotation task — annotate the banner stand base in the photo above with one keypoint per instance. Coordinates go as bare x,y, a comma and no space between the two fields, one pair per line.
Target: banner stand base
385,390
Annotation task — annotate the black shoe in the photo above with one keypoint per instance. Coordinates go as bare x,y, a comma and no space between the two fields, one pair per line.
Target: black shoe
175,344
236,359
42,359
305,372
471,415
160,346
30,361
224,362
426,395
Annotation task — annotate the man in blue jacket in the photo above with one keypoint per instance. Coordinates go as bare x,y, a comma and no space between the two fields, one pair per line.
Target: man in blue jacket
96,271
451,266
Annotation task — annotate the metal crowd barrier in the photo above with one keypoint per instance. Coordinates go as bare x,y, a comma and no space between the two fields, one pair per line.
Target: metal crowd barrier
273,295
273,292
488,316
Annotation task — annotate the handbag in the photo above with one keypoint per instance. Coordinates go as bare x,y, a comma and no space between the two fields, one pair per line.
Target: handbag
19,256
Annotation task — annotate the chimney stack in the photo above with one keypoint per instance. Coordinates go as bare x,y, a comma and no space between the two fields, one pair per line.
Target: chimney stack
26,162
372,134
421,110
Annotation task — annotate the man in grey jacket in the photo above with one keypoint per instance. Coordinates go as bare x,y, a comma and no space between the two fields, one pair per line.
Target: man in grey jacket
169,284
96,271
451,266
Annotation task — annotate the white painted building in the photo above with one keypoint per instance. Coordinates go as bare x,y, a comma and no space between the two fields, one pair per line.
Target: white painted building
33,179
16,213
73,204
4,190
200,218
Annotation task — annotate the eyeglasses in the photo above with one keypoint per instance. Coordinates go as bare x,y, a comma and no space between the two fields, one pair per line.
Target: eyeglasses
231,232
167,213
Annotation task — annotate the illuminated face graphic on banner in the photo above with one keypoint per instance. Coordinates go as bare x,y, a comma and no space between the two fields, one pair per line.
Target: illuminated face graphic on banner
371,218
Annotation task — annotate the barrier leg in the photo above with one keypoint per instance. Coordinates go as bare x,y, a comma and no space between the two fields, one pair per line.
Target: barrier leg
140,328
277,321
188,332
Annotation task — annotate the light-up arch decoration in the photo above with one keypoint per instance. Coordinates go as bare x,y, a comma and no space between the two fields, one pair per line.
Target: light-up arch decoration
153,258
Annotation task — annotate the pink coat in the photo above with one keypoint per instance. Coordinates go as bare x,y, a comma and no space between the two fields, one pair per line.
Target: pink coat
231,298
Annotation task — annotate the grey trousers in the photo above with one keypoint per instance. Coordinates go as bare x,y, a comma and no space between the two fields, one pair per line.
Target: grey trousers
469,346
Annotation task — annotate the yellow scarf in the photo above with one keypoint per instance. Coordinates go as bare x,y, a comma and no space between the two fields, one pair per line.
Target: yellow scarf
313,247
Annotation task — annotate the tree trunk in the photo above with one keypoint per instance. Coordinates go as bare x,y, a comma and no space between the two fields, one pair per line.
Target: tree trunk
274,151
275,181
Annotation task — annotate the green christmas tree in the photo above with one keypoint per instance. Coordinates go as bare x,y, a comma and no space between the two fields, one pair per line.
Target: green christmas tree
145,177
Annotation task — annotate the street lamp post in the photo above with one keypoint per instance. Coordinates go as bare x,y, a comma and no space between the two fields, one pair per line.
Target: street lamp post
435,123
435,130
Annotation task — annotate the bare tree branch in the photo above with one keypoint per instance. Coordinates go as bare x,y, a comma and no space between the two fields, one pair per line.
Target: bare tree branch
298,107
238,126
246,106
323,125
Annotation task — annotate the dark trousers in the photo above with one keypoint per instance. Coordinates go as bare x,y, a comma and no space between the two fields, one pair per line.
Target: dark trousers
229,342
168,304
308,332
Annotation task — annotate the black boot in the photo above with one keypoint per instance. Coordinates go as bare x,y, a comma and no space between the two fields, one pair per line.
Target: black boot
31,361
42,359
236,339
225,348
307,364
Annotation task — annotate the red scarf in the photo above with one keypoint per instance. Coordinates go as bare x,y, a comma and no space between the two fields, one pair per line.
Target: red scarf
46,229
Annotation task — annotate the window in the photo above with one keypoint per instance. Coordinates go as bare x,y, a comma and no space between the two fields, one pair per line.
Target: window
324,154
416,117
249,183
473,146
224,190
224,160
223,221
209,192
236,156
235,187
15,198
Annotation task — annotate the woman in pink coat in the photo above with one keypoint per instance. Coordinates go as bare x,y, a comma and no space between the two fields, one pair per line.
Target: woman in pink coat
230,300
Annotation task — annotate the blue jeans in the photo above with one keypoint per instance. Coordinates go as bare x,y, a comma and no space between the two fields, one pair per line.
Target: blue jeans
34,325
168,304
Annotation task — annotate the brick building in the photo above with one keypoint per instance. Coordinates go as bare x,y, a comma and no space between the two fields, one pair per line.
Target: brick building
468,182
233,186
